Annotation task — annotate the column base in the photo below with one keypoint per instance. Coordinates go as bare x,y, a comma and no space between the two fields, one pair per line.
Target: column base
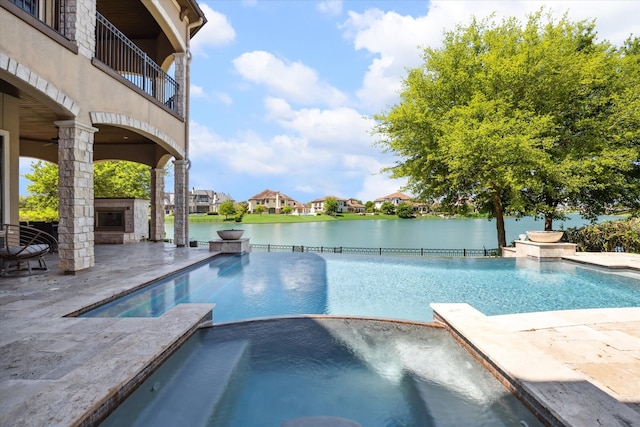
526,248
239,246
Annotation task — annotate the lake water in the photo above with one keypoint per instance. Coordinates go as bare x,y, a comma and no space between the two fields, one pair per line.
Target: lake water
432,233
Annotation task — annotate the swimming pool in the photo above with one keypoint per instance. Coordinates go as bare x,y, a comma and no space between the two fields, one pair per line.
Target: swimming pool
275,284
372,372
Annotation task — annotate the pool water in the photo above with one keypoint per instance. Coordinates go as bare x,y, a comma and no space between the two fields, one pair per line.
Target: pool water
377,373
275,284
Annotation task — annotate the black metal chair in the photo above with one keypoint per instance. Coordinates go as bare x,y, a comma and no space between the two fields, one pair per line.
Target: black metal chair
21,244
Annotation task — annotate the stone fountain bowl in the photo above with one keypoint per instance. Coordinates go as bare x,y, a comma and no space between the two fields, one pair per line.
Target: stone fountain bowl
230,234
545,236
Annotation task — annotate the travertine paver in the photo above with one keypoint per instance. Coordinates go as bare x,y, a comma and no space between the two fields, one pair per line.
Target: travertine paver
57,370
54,370
579,379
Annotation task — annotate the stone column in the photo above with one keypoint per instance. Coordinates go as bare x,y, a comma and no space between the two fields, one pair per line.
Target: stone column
181,216
180,62
157,205
80,25
75,191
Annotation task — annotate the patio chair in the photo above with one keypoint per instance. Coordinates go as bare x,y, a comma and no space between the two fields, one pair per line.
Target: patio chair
21,244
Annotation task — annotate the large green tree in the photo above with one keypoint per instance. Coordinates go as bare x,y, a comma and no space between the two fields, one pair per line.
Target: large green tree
227,208
331,206
111,179
519,118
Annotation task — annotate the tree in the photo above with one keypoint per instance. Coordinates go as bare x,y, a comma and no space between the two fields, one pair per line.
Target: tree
517,118
388,208
405,210
227,208
111,179
43,189
369,206
244,206
260,209
121,179
287,209
331,206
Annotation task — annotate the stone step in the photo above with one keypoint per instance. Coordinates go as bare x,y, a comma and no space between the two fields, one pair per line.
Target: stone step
185,390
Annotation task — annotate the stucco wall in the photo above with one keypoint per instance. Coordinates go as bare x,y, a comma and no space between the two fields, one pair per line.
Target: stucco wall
77,78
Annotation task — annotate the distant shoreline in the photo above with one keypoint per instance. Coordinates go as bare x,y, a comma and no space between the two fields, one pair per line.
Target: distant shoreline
282,218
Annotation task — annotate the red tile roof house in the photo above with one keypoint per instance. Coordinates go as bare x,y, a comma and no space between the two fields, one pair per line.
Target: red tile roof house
274,201
395,198
355,206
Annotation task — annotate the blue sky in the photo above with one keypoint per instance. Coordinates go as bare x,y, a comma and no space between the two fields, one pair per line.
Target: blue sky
282,92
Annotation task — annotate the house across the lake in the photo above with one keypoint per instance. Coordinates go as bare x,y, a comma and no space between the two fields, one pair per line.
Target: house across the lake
274,203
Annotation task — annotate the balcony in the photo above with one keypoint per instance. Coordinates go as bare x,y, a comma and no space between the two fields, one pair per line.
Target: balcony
113,48
119,53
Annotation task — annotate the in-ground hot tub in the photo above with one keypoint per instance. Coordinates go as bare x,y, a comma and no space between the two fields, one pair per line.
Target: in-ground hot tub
371,372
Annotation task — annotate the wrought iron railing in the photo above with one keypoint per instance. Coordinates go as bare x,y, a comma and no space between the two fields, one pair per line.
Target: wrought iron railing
116,51
420,252
50,12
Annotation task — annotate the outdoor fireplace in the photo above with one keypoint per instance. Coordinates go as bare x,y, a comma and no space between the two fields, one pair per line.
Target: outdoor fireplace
122,220
109,220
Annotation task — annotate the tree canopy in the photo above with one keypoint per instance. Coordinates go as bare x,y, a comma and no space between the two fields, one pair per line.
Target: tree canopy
111,179
330,205
227,208
525,120
405,210
387,208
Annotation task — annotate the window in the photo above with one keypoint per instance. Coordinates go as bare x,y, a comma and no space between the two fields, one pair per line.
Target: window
29,6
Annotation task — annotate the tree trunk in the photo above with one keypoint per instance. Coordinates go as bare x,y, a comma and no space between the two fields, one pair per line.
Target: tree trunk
548,222
499,214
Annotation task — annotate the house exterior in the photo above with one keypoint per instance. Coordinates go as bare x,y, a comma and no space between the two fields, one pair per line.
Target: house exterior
203,201
317,205
274,201
395,198
87,80
354,206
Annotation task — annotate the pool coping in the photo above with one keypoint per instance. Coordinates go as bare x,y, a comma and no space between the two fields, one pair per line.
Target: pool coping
94,373
559,395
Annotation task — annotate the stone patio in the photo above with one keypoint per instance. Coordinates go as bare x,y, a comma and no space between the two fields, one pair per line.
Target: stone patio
57,370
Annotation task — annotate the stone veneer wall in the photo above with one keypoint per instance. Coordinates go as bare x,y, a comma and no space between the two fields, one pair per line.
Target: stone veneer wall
180,205
136,220
157,205
75,191
81,25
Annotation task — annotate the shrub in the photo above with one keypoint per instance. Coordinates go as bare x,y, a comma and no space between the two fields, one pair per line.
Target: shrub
212,213
609,236
405,210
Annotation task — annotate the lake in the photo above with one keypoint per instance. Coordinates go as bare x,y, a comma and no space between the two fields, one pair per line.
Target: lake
431,233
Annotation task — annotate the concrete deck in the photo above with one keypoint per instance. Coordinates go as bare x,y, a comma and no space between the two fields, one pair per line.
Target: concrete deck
583,365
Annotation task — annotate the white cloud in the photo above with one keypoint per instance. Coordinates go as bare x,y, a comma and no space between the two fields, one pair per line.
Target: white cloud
223,98
196,91
216,32
340,128
305,189
378,185
293,81
330,7
251,154
394,40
